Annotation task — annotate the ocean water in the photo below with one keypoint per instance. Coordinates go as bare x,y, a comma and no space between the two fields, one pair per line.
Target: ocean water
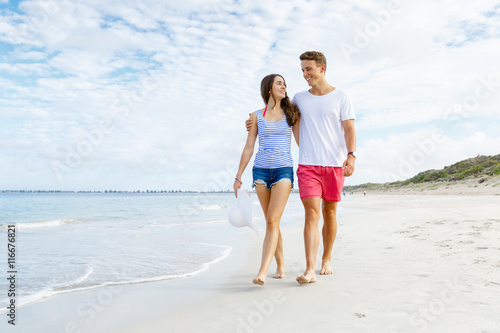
67,242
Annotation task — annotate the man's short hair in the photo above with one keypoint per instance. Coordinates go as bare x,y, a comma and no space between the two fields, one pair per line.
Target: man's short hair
314,55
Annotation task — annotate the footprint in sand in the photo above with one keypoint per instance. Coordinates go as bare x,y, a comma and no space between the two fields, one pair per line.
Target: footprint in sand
422,275
479,261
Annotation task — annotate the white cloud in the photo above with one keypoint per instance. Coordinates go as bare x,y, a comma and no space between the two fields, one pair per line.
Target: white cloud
403,155
178,79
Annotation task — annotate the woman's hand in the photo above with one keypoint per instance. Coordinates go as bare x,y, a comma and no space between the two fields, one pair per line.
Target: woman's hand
236,186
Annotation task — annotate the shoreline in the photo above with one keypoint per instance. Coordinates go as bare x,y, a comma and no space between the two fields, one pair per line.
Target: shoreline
49,294
129,304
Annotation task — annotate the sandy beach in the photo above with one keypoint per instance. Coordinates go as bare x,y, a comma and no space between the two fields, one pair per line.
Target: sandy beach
402,263
407,263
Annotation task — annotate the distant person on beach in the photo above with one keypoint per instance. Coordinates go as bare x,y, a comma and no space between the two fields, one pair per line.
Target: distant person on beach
364,192
273,165
327,145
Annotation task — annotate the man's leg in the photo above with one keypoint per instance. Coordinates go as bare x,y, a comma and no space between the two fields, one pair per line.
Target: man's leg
312,207
333,181
329,233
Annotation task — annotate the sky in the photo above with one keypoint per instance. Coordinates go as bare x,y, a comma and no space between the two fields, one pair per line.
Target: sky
153,95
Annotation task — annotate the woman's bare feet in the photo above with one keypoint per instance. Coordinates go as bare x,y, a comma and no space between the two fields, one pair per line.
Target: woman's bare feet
258,280
307,277
280,273
326,268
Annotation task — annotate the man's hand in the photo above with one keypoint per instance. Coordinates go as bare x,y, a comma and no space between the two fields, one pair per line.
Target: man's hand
249,122
348,166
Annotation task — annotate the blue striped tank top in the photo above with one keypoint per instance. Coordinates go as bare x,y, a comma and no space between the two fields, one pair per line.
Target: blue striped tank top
274,143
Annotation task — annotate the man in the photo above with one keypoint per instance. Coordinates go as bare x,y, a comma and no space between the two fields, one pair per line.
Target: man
327,145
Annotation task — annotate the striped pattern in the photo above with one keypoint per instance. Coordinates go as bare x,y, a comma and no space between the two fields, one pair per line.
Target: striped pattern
274,143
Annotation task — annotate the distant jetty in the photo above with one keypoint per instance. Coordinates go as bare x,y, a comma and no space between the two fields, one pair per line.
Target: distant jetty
111,191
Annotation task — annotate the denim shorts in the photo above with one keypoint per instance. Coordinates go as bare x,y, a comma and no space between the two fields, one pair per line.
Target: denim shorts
269,177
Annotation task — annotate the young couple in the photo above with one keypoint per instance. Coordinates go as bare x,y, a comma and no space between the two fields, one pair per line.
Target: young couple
324,131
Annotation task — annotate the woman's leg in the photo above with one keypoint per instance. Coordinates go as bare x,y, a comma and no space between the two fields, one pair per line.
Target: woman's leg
277,201
264,196
280,261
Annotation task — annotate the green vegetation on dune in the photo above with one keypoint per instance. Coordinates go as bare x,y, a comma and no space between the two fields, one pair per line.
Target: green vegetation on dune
473,167
476,166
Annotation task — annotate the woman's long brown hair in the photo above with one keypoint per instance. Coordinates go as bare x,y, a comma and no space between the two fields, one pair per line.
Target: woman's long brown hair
292,112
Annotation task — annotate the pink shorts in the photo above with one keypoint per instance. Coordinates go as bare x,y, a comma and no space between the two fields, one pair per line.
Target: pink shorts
320,181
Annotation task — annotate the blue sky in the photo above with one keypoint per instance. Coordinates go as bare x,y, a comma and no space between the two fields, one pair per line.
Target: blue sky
131,95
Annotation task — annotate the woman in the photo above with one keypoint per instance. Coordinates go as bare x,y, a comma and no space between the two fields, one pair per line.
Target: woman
273,165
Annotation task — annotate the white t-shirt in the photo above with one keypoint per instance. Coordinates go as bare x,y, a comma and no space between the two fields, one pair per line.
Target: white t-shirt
321,138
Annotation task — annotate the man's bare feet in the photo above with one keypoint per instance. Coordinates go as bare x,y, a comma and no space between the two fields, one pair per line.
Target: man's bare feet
280,273
326,268
259,281
307,277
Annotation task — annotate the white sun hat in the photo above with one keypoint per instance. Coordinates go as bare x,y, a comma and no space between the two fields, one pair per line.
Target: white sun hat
241,215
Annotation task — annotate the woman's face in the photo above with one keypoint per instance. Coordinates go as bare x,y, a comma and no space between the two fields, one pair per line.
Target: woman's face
278,89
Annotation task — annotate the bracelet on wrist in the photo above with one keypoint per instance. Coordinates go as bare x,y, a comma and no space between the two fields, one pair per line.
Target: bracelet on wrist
239,181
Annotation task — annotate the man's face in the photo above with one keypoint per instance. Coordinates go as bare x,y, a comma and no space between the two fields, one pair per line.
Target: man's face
311,71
